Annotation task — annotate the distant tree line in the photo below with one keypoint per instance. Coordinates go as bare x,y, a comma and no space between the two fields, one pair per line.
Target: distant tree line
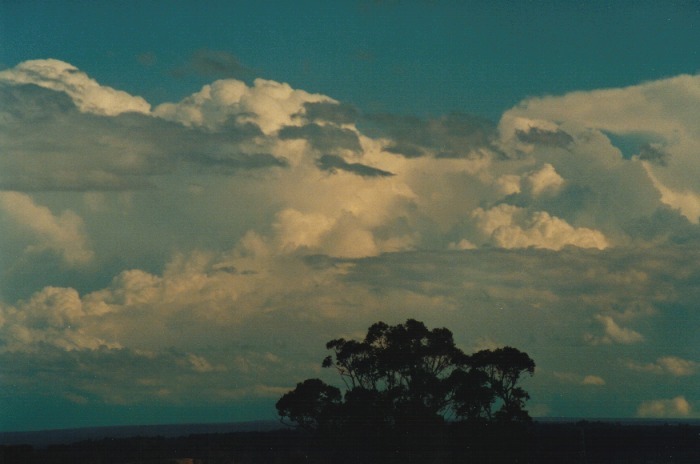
548,443
407,392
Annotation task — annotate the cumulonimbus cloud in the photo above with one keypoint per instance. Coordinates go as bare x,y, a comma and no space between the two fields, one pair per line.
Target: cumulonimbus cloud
256,208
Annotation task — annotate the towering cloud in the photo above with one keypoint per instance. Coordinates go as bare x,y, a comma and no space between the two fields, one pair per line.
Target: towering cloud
214,244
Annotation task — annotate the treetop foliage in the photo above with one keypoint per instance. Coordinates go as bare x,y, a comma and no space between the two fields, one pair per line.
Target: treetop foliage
407,374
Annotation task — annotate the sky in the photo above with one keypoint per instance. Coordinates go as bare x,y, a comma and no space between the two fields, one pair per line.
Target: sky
194,200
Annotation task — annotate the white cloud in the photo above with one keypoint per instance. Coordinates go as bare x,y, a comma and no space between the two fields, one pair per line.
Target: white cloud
593,380
269,104
686,201
53,316
663,106
659,113
62,234
545,180
245,273
675,407
573,378
200,364
614,333
672,365
510,226
88,95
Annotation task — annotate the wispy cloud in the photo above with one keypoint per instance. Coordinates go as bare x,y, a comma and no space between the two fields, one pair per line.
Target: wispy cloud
677,407
669,365
215,64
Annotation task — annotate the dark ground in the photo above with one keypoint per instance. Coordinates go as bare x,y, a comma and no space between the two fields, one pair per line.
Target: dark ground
539,442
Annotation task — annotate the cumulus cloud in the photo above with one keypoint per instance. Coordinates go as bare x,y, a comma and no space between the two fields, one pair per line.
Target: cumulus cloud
672,408
660,111
671,365
62,234
88,95
52,317
544,180
686,201
50,145
270,105
217,220
656,107
509,226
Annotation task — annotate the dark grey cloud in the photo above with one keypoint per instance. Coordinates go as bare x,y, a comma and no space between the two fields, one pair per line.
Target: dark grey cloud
229,164
30,102
326,138
214,64
338,113
654,290
665,225
333,163
654,154
455,135
535,135
46,143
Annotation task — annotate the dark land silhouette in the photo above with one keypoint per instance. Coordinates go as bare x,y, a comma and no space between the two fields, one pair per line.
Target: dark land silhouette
590,442
408,395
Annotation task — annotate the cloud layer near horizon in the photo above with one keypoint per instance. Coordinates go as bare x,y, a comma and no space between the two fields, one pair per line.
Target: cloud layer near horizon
214,244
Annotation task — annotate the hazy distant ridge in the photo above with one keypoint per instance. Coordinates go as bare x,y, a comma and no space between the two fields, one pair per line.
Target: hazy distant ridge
50,437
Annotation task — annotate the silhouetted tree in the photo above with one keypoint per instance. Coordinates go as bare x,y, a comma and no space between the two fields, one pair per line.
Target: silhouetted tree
402,382
503,368
406,370
311,405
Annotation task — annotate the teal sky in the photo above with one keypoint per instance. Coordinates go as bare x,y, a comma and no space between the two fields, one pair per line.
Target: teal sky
413,57
195,199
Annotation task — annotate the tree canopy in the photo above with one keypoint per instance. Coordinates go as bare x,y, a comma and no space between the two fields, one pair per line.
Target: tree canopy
407,374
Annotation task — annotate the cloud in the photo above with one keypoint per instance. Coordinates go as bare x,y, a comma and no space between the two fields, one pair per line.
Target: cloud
570,377
89,96
62,234
658,112
593,380
539,136
200,364
268,104
333,112
672,408
215,219
660,106
509,226
545,180
214,64
50,145
614,333
53,317
653,153
333,163
671,365
325,138
453,136
686,201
